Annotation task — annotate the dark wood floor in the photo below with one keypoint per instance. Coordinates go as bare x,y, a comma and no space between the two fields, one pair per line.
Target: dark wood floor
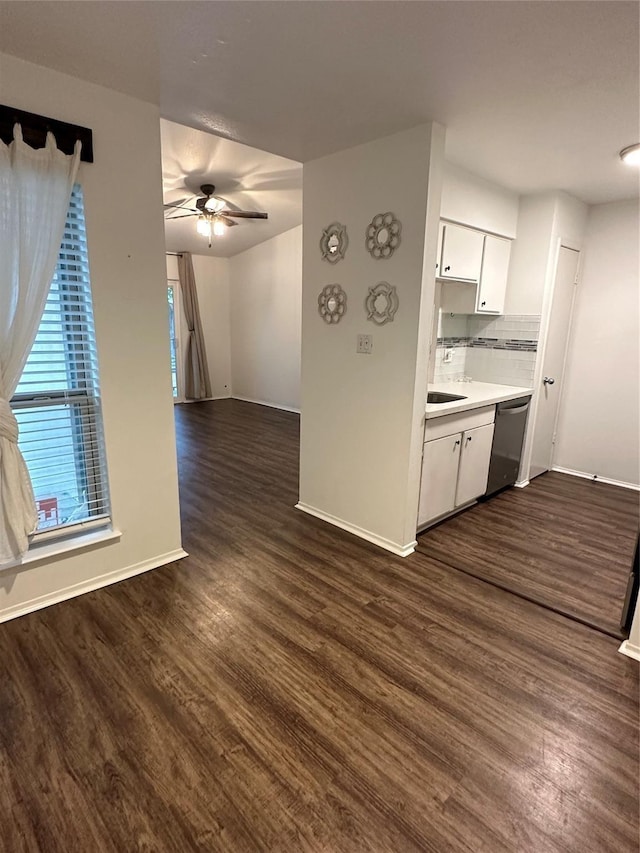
291,688
565,542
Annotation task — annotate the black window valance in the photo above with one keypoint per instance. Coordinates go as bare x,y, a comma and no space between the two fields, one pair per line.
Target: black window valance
35,127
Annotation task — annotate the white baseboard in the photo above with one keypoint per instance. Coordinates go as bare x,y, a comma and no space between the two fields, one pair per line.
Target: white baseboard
521,484
89,585
630,650
387,544
203,400
598,479
265,403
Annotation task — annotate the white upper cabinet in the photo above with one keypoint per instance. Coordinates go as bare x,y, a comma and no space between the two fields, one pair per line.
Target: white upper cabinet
475,266
461,257
493,278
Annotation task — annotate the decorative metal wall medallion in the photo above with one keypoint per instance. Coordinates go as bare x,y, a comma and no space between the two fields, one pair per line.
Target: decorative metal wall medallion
381,303
334,242
383,235
332,303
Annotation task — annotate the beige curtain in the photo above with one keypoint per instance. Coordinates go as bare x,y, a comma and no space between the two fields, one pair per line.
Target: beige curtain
196,371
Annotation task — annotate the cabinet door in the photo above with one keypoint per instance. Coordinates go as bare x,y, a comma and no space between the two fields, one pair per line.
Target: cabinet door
474,464
439,473
493,279
439,249
461,253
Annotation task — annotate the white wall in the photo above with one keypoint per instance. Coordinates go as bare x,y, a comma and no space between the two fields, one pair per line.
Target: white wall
599,427
266,300
212,285
569,221
471,200
363,415
529,263
123,203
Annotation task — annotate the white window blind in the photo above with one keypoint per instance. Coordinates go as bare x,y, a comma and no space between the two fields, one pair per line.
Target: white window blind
57,402
173,338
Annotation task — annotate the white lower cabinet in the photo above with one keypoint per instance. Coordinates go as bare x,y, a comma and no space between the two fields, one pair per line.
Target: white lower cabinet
455,466
473,472
440,463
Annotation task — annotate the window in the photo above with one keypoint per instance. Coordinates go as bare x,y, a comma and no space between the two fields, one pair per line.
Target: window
173,340
57,402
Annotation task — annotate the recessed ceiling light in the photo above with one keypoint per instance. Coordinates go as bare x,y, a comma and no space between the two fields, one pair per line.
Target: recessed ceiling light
631,154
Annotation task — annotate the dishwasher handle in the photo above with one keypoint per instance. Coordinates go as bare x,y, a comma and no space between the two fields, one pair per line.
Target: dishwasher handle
515,411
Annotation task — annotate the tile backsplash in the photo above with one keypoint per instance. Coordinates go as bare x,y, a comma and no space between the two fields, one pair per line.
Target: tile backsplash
488,349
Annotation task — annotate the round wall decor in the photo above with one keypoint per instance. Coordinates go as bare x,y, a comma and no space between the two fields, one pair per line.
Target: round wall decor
334,242
381,303
332,303
383,235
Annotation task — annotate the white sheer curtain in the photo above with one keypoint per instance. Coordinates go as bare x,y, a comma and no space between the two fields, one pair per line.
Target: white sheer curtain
35,186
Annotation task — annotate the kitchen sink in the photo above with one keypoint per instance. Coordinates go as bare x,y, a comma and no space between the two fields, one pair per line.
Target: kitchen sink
440,397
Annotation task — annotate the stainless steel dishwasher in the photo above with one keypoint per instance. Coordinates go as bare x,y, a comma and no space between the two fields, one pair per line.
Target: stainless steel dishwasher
508,436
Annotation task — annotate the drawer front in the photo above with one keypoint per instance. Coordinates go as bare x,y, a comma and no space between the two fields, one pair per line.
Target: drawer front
450,424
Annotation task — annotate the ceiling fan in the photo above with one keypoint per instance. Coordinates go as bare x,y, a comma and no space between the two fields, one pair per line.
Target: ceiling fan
214,214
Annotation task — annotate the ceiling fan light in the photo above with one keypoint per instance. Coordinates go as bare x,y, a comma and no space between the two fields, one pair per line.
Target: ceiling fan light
631,154
218,227
213,204
204,226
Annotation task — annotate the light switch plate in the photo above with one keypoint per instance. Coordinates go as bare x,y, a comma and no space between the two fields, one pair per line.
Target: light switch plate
364,344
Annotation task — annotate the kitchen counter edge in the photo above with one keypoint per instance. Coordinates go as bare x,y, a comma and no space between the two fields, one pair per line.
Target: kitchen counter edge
474,399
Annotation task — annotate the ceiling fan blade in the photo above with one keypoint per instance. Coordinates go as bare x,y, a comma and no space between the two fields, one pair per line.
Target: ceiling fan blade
226,220
178,203
228,205
245,214
184,216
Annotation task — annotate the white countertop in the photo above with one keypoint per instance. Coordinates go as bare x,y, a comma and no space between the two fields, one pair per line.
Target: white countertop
476,394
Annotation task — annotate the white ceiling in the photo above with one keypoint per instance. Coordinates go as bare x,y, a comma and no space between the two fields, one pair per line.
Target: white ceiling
246,177
534,95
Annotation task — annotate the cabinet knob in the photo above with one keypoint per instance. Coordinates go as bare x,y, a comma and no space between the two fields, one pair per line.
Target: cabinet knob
469,437
548,380
456,444
483,303
446,269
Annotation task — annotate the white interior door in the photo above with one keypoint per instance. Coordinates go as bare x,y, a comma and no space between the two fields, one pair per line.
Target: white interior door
554,362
